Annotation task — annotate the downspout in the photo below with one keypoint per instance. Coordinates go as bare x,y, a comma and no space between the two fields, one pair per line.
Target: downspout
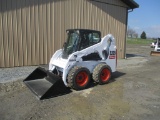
130,10
127,11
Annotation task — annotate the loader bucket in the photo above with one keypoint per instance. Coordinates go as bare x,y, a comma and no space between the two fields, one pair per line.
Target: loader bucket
41,82
155,53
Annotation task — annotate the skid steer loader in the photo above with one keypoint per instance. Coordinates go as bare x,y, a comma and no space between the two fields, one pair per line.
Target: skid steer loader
85,56
156,51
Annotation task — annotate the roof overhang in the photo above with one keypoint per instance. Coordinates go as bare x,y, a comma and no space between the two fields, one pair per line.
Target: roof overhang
131,3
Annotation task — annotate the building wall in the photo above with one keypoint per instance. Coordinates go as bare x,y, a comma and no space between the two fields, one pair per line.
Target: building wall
32,30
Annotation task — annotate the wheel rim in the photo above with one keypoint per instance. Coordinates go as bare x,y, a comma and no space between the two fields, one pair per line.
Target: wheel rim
105,75
81,78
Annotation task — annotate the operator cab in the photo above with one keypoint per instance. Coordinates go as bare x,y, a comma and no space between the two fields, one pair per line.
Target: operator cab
79,39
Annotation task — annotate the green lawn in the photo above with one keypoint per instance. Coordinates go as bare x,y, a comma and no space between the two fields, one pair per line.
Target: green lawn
139,41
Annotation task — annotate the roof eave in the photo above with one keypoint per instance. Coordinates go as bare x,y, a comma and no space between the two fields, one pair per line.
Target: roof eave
131,3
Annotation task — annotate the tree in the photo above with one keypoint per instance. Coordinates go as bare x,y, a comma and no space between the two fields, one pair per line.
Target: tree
143,35
130,32
135,35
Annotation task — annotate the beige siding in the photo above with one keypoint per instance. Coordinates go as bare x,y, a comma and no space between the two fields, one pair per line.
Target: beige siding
32,30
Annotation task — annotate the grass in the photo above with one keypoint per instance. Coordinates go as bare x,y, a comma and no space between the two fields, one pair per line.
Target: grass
139,41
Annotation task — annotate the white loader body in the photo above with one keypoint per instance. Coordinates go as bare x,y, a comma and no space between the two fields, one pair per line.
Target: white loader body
156,51
109,57
157,46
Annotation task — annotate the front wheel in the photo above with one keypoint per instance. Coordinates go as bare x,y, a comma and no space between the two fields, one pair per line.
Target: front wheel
101,73
78,78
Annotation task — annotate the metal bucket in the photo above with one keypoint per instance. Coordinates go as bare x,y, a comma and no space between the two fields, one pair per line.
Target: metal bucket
41,81
155,53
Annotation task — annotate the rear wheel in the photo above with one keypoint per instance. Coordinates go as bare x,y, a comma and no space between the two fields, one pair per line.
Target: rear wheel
78,78
101,73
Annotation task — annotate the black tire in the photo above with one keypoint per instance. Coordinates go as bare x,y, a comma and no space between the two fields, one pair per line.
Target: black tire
78,78
101,73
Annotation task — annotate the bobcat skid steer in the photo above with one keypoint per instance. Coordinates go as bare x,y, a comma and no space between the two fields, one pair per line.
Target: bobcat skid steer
156,51
85,56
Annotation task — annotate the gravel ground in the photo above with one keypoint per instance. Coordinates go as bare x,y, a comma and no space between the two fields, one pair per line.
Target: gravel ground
133,93
19,73
11,78
16,73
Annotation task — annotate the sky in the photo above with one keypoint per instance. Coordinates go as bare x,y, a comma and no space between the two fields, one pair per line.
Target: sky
146,18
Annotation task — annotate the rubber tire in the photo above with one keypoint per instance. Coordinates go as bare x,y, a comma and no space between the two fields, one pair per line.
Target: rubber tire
97,72
72,77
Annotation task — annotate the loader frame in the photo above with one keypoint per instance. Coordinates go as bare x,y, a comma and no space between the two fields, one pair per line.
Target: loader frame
85,53
106,49
156,51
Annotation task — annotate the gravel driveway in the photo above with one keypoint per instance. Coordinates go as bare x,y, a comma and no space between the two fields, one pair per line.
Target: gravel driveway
133,93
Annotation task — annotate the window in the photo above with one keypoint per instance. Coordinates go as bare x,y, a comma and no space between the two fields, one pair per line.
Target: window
88,39
95,38
72,43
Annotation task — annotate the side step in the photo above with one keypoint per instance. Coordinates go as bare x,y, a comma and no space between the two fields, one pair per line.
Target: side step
155,53
41,82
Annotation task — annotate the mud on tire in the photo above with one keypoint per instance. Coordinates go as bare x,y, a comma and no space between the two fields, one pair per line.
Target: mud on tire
78,78
101,73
